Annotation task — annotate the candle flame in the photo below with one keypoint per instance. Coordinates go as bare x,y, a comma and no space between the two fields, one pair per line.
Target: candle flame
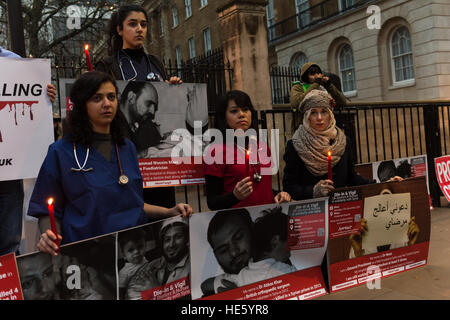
248,152
329,153
50,201
86,47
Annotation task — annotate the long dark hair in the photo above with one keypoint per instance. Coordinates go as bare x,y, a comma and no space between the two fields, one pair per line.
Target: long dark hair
79,128
242,100
115,41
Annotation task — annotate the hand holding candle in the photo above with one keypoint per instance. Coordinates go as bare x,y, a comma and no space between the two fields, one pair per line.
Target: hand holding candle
88,58
52,220
330,173
247,162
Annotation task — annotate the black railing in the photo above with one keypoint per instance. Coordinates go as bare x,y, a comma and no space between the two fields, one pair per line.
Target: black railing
281,79
311,16
210,69
382,131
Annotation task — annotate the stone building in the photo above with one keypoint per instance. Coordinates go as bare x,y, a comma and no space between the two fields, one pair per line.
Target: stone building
401,54
183,29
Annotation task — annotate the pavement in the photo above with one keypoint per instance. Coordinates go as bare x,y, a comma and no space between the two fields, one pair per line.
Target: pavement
431,282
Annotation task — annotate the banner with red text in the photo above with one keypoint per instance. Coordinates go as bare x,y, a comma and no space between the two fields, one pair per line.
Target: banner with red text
166,124
377,230
26,117
262,252
442,168
10,288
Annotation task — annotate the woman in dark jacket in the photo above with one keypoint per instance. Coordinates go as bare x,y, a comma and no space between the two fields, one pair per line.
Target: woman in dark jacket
129,61
306,155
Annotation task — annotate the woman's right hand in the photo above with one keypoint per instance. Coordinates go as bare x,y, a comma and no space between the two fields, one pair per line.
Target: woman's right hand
47,243
243,189
323,188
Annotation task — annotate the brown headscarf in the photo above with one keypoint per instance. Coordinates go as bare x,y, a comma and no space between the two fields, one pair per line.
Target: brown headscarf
311,145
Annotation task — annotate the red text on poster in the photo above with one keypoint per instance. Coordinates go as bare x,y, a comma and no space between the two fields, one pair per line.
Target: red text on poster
353,272
165,172
301,285
442,166
306,226
345,211
10,288
170,291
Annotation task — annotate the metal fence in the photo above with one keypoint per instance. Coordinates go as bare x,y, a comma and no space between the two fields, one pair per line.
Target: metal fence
382,131
281,79
210,69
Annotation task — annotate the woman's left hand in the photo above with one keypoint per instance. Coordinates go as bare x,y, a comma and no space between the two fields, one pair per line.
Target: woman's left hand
174,80
396,178
282,197
181,208
51,92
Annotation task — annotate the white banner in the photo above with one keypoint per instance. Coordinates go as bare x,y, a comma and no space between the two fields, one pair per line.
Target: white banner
26,119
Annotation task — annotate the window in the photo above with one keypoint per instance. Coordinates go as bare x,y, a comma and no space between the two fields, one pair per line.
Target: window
188,8
346,4
270,13
347,69
401,55
302,10
191,43
207,40
161,26
203,3
298,60
178,56
175,16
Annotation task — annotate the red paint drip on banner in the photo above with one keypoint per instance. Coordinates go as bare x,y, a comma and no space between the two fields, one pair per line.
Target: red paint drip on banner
13,104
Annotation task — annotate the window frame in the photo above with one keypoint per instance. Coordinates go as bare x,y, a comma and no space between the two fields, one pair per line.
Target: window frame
341,70
396,82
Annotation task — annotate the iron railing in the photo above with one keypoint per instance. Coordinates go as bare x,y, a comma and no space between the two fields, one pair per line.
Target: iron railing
382,131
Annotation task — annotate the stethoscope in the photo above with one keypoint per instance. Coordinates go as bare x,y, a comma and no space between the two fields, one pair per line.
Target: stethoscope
123,178
150,77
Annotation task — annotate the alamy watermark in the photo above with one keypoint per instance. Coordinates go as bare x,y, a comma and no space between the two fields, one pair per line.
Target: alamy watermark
255,151
374,21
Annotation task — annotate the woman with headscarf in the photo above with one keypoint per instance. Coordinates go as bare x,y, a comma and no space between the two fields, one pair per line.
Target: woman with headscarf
306,155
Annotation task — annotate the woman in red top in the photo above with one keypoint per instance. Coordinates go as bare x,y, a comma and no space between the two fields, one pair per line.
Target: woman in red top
238,169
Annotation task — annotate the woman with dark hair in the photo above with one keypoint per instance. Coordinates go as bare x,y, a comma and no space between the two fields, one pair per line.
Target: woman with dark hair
238,167
92,173
127,31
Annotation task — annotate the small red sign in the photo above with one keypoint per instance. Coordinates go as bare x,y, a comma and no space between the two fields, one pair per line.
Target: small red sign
10,288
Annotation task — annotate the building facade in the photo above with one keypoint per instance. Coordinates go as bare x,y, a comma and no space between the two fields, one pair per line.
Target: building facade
381,49
183,29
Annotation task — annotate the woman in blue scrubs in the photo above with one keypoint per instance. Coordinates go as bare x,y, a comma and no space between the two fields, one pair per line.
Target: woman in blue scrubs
92,173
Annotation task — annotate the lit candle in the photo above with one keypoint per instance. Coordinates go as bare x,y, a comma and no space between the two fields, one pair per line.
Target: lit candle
330,175
88,58
247,162
52,219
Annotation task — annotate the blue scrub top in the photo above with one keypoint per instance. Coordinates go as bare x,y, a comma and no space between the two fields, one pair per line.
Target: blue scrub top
89,204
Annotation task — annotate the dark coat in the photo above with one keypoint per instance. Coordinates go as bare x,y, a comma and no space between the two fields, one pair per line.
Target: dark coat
299,182
110,65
